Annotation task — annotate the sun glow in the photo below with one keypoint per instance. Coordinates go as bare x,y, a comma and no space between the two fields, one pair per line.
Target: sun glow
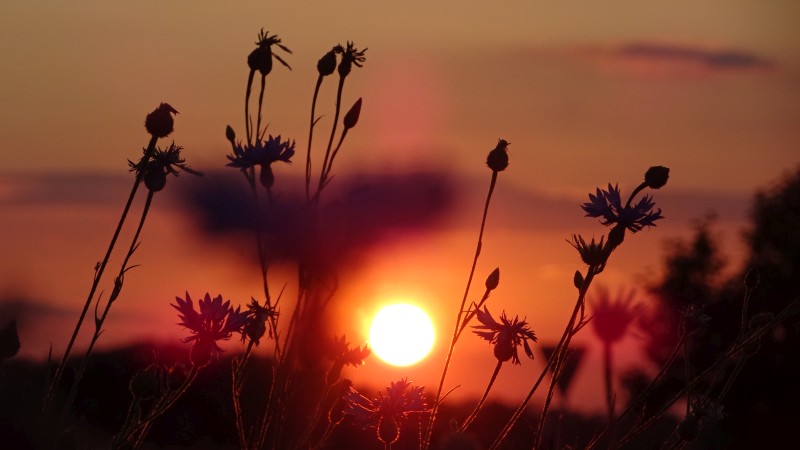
401,334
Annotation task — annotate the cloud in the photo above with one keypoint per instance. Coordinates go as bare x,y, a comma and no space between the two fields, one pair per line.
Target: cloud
664,60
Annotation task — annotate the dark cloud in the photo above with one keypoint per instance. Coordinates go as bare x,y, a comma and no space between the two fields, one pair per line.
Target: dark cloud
681,54
27,311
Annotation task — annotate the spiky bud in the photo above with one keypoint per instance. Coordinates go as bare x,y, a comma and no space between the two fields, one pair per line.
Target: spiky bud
160,123
656,177
351,118
493,280
327,64
498,158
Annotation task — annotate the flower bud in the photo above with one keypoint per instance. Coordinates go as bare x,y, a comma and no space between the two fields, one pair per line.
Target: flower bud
493,280
160,123
327,64
351,118
656,177
260,59
498,158
388,430
230,134
577,280
345,67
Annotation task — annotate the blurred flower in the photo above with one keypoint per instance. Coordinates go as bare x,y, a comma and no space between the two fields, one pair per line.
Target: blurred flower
506,335
612,318
261,58
154,171
497,160
351,56
607,204
160,123
215,321
263,153
257,317
386,412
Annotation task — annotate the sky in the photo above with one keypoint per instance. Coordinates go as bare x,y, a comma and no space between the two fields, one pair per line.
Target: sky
587,93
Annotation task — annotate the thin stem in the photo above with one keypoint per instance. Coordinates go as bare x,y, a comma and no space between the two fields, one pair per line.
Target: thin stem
260,102
454,339
333,133
311,136
99,321
96,281
333,155
247,106
468,421
550,362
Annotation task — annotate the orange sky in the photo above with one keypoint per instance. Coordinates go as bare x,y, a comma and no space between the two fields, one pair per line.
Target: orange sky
585,94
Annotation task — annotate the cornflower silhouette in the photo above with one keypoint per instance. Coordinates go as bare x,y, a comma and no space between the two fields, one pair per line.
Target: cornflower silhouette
386,413
214,322
260,60
159,124
263,153
610,321
606,204
506,336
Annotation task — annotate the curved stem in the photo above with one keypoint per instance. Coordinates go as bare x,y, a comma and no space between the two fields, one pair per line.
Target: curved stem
330,139
247,106
468,421
459,317
260,102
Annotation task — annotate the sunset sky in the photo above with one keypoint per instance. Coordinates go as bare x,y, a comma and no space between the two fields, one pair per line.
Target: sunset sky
586,92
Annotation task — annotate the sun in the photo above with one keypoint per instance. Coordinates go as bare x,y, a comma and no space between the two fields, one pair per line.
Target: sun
401,334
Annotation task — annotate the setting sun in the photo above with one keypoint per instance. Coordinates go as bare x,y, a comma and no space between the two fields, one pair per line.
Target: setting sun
401,334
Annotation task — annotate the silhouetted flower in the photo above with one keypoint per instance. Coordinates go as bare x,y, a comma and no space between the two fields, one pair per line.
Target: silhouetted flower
215,321
493,280
612,318
160,123
342,355
497,160
351,56
261,58
154,171
263,153
608,205
506,335
593,254
386,412
257,317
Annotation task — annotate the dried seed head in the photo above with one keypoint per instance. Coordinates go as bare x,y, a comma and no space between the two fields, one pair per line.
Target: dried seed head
498,158
160,123
493,280
327,64
656,177
351,118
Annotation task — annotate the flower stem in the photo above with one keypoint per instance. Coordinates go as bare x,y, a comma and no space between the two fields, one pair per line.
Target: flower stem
311,135
322,174
468,421
247,106
96,281
459,317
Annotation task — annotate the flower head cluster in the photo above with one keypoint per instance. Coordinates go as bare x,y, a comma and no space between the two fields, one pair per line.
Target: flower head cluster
257,317
386,412
608,205
263,153
163,162
612,317
506,335
214,322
